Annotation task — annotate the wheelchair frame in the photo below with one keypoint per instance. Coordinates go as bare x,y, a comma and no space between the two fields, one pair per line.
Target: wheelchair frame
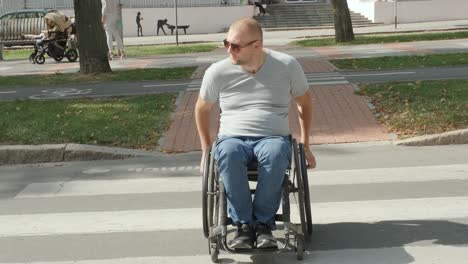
216,221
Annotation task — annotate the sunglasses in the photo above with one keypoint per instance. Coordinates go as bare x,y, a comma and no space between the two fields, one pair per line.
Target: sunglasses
236,47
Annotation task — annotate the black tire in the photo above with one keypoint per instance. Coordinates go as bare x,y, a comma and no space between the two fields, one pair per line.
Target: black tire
299,185
212,198
72,55
305,180
40,59
300,247
206,179
214,249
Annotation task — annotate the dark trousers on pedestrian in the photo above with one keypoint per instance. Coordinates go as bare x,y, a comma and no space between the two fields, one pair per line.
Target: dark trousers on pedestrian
160,27
139,30
260,7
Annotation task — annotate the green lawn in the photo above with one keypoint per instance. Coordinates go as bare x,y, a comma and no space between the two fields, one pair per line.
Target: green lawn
149,50
136,122
422,107
398,62
376,39
118,75
131,51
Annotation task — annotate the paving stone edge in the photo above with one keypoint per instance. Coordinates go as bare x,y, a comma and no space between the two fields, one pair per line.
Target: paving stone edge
447,138
26,154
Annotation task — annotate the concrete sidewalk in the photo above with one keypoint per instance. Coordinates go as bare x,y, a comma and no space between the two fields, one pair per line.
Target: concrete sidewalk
23,67
281,38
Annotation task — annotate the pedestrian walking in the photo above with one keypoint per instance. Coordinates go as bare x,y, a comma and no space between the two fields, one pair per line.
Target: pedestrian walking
112,25
260,7
138,21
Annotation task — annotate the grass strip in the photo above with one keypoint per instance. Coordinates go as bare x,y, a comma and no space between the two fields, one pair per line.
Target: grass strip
149,50
377,39
398,62
130,50
131,122
118,75
421,107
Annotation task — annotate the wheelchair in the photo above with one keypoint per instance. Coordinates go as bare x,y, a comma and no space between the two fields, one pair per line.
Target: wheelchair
295,184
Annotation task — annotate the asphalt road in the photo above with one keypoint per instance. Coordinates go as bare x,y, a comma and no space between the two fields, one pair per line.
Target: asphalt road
153,87
370,204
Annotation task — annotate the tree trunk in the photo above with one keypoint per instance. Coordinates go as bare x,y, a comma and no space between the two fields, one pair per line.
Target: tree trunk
91,37
343,25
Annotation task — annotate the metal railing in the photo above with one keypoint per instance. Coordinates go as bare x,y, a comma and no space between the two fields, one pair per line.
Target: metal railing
12,30
9,6
180,3
14,5
55,4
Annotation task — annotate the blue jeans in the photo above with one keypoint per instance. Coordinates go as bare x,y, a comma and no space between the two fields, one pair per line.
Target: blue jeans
272,154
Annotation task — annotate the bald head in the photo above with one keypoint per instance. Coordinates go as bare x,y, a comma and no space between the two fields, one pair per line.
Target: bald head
247,27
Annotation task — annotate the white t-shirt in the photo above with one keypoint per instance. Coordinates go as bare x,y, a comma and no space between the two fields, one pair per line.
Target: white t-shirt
255,104
110,9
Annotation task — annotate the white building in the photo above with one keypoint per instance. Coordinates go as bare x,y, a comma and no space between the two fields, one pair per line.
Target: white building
212,16
407,11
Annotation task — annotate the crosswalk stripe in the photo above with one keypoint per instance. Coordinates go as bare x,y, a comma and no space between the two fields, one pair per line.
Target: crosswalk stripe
323,74
326,78
328,83
194,86
404,254
193,184
190,218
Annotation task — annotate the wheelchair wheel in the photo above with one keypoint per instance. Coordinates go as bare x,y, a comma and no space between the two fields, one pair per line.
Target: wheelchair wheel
305,180
71,55
205,193
209,198
299,187
40,59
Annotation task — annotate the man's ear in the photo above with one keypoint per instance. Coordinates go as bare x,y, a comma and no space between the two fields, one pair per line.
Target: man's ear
258,44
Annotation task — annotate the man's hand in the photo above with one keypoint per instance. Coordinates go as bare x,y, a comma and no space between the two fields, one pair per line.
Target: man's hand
310,158
202,162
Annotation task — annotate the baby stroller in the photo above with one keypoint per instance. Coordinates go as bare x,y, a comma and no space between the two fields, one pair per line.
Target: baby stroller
55,43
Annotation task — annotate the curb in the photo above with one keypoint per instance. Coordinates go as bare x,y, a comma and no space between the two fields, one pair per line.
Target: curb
24,154
27,154
447,138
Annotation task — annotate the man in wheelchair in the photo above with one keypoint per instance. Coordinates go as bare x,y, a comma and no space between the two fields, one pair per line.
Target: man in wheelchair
254,87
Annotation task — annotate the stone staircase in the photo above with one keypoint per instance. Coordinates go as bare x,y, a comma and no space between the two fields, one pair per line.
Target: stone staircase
307,15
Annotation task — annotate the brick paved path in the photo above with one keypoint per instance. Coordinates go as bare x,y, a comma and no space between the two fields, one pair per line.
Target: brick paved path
339,116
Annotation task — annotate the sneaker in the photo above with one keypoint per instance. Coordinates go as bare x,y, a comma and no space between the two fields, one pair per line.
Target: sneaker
244,238
265,239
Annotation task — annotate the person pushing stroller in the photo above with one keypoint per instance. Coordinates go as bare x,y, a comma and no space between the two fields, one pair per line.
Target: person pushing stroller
53,41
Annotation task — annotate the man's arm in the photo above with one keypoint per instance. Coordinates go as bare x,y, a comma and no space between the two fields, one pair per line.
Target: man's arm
103,11
304,103
202,118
